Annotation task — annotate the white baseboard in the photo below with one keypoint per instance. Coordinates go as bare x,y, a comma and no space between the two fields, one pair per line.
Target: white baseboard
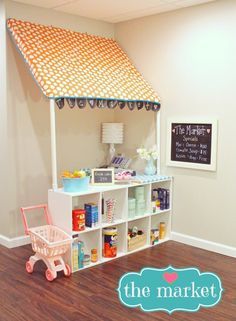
14,242
182,238
204,244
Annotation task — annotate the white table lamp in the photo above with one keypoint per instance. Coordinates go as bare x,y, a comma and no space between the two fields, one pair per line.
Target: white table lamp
112,133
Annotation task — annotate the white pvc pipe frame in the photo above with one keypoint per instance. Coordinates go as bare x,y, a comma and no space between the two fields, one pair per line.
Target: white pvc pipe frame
53,144
54,148
158,141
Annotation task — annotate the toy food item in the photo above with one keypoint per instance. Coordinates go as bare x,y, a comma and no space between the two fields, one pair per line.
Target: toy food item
110,242
75,174
124,175
86,260
154,236
162,230
78,220
81,254
94,255
67,174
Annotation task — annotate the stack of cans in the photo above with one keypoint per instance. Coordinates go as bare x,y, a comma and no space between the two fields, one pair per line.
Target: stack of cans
91,216
140,200
131,207
110,212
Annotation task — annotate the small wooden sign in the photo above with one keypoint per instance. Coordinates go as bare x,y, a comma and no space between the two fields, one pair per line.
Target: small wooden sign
192,144
103,176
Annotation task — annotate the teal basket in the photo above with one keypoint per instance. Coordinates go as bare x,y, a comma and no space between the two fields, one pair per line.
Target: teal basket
74,185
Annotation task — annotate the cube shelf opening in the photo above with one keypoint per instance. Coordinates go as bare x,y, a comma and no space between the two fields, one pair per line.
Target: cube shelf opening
90,240
155,224
134,239
118,212
120,240
139,200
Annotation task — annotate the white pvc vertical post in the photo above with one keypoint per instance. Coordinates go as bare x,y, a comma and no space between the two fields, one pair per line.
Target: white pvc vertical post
158,141
53,144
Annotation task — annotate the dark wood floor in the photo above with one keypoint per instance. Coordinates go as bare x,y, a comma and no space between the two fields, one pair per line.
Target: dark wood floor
91,295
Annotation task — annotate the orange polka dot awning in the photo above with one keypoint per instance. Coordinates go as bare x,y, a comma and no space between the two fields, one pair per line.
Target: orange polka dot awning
68,64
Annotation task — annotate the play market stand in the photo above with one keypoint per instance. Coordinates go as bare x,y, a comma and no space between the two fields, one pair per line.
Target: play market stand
89,71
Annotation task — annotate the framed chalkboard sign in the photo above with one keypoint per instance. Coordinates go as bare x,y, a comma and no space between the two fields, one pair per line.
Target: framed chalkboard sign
192,144
102,176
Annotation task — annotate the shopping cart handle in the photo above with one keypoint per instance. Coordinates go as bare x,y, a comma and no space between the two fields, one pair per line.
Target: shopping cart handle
30,208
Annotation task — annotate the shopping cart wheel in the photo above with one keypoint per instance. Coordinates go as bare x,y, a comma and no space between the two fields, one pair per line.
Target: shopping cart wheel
49,275
68,270
29,267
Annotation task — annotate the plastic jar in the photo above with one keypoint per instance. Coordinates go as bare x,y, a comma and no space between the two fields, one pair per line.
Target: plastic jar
94,255
110,242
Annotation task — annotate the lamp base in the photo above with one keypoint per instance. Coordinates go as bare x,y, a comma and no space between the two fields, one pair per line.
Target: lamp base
112,152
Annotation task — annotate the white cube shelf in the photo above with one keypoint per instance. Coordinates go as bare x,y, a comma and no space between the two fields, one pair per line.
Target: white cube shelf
61,205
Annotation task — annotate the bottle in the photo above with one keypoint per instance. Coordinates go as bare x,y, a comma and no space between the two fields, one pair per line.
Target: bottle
102,204
75,254
94,255
162,230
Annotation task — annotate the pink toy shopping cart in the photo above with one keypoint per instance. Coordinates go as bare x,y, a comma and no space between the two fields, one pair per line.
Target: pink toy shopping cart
49,243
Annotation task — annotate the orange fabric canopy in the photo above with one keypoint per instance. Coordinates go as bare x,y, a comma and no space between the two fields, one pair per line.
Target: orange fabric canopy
77,65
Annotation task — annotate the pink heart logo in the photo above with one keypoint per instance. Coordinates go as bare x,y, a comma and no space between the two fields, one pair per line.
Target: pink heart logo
208,131
170,277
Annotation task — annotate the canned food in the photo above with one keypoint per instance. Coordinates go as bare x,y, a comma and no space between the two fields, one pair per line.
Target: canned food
110,242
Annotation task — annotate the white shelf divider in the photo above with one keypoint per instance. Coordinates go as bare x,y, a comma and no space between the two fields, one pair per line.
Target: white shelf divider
86,230
137,217
115,222
159,212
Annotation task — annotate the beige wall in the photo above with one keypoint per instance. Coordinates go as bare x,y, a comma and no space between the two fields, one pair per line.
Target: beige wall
4,222
27,169
189,56
59,19
140,130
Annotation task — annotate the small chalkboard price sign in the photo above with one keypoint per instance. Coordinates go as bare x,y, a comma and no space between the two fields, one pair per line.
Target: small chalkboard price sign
192,144
102,176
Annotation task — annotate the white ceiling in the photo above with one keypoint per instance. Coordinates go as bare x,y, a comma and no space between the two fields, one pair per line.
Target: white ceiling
114,10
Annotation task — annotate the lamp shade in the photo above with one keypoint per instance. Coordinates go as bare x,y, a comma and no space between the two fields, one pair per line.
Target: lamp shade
112,133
